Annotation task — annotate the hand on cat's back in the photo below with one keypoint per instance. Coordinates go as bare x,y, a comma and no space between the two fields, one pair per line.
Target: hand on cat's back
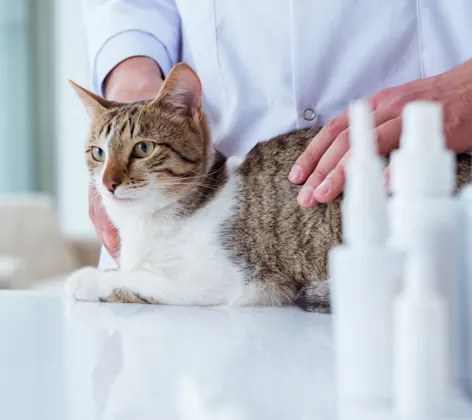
321,166
134,79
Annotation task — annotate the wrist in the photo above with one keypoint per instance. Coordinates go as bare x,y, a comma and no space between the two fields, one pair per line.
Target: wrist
134,79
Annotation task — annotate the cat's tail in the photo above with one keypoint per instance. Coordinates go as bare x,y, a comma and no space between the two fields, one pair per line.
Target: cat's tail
315,297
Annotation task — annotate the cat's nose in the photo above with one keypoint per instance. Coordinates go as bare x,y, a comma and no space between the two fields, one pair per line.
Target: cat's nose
111,182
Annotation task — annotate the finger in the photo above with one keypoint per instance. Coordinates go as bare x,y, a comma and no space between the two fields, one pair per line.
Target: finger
329,160
111,241
333,184
91,197
308,160
387,178
339,148
388,135
106,232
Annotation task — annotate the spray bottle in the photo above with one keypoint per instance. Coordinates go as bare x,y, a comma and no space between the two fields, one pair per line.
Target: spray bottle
463,289
420,340
365,273
422,182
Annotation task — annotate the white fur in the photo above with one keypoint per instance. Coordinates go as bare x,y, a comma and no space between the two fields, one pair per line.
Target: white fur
173,260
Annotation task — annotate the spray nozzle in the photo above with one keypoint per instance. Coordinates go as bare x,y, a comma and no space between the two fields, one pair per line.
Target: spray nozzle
423,126
364,205
361,130
423,165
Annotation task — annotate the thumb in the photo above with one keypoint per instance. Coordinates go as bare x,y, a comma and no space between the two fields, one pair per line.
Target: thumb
387,178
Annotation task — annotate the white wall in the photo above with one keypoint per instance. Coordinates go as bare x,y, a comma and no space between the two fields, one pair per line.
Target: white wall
71,121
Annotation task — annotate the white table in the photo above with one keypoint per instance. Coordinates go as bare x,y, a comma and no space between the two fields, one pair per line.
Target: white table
63,360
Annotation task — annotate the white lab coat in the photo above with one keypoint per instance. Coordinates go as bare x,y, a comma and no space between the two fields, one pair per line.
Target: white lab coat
272,66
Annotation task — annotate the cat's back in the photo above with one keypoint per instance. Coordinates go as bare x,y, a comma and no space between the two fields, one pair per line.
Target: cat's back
264,171
277,155
264,175
270,230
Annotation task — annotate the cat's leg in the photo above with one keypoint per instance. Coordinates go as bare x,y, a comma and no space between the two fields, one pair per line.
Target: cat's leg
143,286
92,285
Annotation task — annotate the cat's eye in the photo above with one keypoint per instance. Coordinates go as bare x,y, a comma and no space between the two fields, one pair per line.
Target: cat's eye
98,154
143,149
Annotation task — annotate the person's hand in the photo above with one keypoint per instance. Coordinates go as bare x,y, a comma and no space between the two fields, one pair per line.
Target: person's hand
107,234
135,79
321,166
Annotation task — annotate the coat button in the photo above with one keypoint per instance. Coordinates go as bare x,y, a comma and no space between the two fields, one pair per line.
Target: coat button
309,114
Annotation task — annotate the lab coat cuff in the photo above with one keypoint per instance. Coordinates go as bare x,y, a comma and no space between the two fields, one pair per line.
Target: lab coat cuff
125,45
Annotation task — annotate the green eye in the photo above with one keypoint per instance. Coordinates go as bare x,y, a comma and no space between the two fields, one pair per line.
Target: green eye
143,149
98,154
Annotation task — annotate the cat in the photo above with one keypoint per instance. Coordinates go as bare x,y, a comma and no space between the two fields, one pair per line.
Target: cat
195,227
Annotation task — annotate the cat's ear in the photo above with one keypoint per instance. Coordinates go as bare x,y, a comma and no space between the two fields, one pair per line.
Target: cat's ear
93,104
181,90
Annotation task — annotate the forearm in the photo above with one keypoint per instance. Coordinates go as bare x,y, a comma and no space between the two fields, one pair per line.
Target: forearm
121,30
134,79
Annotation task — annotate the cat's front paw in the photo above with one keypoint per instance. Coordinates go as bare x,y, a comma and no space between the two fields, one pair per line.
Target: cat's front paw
84,284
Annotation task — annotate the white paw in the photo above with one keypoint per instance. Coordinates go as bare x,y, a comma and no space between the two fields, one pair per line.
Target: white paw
84,284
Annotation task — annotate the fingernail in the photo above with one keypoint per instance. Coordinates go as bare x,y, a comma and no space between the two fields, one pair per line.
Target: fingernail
295,174
306,195
324,187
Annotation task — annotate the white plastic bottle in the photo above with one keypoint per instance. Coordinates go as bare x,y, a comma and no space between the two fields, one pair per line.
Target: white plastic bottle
364,273
422,174
420,341
463,289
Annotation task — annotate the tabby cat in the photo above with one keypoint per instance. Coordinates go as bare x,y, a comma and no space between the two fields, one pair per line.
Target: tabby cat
197,228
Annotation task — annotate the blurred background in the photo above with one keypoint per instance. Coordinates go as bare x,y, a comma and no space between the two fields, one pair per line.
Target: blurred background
44,224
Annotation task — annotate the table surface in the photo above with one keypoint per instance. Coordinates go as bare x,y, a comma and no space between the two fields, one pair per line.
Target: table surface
64,360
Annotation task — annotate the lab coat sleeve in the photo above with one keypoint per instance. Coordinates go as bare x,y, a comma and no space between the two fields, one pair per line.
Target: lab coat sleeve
120,29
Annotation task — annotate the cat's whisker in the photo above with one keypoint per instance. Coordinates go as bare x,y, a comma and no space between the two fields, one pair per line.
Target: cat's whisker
183,179
205,175
180,184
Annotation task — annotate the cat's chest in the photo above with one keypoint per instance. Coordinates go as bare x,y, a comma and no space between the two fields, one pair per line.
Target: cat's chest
182,247
166,247
193,247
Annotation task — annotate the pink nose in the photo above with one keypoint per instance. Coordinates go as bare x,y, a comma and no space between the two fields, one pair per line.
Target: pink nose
112,178
111,182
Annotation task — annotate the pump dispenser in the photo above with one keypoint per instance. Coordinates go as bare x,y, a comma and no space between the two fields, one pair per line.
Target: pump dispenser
365,273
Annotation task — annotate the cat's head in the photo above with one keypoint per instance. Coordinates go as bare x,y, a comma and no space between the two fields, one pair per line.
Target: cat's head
150,153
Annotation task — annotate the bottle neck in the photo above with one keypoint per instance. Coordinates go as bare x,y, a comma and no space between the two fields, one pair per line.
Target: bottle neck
364,210
420,276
